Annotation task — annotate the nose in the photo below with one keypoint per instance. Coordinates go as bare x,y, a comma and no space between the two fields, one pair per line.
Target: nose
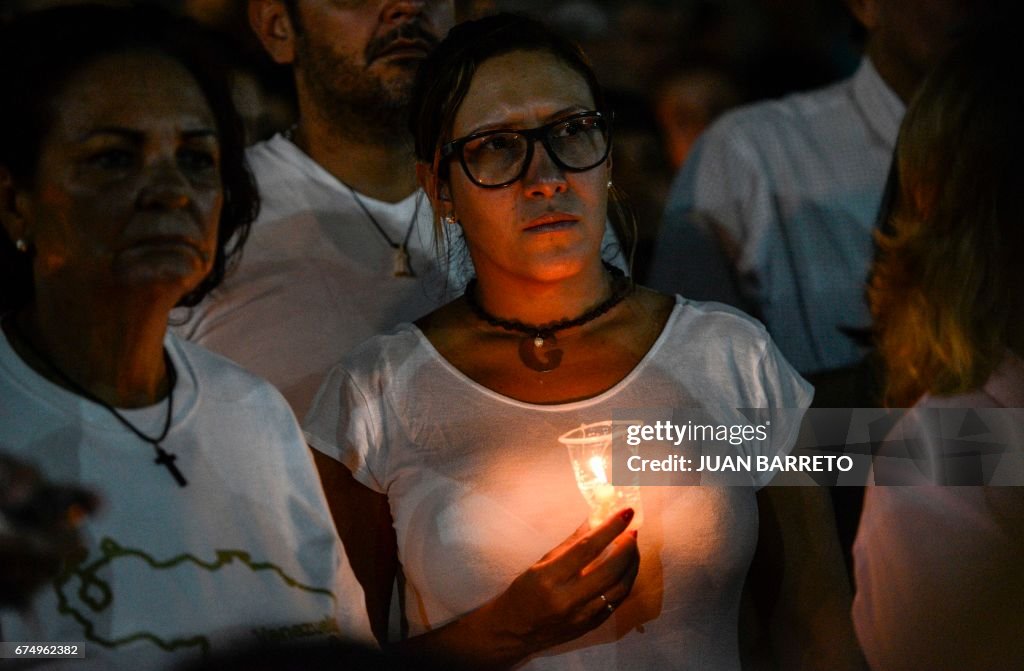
164,187
403,10
543,178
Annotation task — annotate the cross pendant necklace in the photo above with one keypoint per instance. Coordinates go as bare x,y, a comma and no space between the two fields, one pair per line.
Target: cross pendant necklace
163,457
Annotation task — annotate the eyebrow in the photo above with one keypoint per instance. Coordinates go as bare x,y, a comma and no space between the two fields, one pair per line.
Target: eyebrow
509,125
138,136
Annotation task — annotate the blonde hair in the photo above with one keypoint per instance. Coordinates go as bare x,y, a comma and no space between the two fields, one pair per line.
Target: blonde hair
947,281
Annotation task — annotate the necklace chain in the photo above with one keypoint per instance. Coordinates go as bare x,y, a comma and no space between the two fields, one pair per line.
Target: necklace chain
163,457
403,266
621,287
402,262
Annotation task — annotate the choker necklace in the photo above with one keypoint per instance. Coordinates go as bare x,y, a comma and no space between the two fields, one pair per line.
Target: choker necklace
542,338
401,266
163,457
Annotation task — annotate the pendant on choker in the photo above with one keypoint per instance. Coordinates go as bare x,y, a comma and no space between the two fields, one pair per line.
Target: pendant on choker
541,339
540,353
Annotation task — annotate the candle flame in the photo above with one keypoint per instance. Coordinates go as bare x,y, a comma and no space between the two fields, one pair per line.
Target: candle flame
597,467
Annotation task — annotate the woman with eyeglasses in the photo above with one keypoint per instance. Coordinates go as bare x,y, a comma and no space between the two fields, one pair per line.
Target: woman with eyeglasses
438,443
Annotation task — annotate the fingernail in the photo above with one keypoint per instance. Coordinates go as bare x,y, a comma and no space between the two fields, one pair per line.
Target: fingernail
626,514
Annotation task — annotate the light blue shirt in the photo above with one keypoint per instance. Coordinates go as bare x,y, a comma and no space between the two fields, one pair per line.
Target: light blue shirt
774,211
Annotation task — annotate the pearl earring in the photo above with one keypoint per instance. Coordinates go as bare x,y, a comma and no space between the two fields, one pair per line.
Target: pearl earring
449,220
609,183
21,245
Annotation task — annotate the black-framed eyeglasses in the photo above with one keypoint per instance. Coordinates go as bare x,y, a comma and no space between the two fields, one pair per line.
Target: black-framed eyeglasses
497,158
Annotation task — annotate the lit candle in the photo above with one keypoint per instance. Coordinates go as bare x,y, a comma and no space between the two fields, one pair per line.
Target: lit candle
596,464
603,492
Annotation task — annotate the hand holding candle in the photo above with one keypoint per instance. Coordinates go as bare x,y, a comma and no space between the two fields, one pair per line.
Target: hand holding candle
569,591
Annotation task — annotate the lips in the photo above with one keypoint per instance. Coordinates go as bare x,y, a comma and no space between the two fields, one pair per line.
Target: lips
412,39
169,242
405,48
166,230
551,223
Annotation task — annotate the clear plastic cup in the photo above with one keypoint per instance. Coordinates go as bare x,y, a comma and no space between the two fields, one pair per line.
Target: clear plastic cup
590,451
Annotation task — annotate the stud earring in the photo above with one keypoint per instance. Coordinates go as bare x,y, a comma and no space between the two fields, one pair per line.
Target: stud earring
21,245
609,183
449,220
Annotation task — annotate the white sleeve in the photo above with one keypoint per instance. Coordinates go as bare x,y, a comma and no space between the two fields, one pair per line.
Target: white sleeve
787,397
344,425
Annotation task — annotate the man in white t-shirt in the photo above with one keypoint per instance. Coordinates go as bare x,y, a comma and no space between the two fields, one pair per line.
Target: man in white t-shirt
775,208
343,247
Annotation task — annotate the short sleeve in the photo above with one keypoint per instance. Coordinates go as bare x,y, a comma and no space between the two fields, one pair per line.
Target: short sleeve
787,397
345,426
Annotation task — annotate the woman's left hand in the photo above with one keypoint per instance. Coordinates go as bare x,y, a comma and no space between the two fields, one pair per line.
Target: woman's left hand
569,591
572,589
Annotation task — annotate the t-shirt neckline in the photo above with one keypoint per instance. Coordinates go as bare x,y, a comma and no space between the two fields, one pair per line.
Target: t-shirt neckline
65,401
605,395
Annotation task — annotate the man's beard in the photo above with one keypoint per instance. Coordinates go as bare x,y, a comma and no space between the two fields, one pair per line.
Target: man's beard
357,101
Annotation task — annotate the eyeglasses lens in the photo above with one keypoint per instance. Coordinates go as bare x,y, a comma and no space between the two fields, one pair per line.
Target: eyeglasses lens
496,158
580,144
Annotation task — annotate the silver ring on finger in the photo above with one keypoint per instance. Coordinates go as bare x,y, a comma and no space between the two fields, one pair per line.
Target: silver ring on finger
607,604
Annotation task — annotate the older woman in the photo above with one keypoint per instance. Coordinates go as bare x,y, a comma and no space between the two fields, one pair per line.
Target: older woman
121,183
938,568
448,428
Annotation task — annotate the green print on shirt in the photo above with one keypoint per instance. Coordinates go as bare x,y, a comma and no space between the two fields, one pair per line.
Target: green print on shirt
97,595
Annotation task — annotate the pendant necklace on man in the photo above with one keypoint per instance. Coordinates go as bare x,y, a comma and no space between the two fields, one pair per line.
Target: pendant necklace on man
163,457
540,340
401,264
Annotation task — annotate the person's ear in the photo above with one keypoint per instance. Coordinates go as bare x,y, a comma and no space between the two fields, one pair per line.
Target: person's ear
273,26
866,12
13,208
435,188
437,191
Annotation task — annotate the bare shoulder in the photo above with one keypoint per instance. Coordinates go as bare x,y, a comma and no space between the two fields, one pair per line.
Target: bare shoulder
640,321
445,321
656,299
655,305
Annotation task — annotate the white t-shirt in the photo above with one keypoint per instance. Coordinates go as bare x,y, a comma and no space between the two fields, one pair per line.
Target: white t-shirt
480,488
245,553
316,277
789,190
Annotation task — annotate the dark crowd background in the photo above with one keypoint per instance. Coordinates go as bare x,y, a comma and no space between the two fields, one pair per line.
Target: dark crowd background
670,67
